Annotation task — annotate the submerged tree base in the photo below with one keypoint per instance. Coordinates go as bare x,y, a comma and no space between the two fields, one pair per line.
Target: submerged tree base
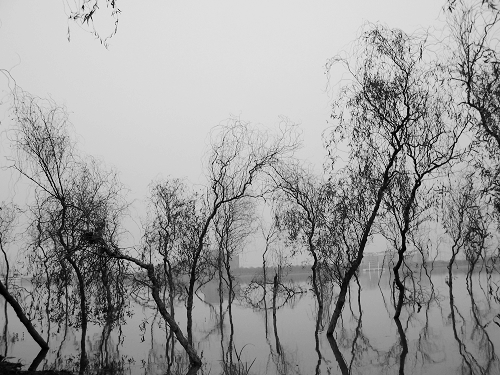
14,368
10,368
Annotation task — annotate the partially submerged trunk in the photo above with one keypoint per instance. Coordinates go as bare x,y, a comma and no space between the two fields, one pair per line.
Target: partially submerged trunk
169,319
316,279
189,308
275,327
338,355
22,317
344,287
353,268
83,311
403,344
155,292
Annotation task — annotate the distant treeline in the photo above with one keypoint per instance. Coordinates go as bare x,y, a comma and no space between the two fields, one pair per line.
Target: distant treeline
436,265
271,270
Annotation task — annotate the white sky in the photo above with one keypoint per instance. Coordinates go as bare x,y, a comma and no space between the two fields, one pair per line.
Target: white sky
175,69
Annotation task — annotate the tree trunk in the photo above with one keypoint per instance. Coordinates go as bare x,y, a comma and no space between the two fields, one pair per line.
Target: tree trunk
155,292
193,356
83,310
364,239
316,288
343,292
189,310
404,346
399,284
338,355
275,292
22,317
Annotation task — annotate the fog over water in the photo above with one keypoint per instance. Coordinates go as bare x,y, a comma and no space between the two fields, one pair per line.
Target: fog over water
438,341
250,187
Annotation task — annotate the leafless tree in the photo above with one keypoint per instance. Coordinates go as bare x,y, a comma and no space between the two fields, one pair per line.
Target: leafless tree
431,148
301,212
239,156
271,235
475,67
232,227
467,221
371,116
233,224
77,205
382,118
170,235
45,156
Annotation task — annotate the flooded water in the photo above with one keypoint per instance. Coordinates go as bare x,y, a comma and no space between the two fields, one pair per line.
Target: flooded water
442,335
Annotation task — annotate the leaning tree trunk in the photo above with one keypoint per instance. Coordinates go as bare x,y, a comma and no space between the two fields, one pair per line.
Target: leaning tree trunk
22,317
364,239
155,292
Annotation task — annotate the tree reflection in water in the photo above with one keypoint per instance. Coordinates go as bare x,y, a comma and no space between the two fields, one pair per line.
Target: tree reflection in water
283,360
474,343
410,353
370,339
283,294
358,346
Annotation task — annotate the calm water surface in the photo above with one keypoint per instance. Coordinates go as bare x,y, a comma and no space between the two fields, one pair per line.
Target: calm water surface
442,337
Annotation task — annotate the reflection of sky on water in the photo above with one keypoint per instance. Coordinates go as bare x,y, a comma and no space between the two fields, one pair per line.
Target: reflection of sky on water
432,345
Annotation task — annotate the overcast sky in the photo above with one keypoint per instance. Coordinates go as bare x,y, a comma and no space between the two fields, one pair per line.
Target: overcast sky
174,70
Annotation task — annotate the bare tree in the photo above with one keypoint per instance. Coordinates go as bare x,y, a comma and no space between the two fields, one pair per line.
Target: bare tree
239,156
372,116
168,242
77,205
382,117
431,147
232,227
175,215
302,213
475,67
77,214
271,235
465,218
45,156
